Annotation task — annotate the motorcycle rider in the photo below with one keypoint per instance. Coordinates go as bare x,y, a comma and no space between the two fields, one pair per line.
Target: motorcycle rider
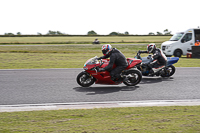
159,58
117,58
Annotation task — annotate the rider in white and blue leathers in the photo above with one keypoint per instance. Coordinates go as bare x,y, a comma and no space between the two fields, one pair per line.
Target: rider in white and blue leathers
159,58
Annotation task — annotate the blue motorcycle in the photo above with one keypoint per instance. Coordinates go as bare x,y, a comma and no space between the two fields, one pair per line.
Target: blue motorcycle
167,71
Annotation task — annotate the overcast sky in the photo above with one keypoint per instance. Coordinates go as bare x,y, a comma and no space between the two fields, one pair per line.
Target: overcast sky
103,16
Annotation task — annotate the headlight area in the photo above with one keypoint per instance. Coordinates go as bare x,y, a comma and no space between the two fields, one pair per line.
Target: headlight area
168,47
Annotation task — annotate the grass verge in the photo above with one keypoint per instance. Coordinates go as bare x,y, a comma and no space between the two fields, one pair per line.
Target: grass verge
135,119
66,56
83,39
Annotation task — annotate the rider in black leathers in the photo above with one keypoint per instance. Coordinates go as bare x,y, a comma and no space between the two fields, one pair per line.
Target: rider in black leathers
117,58
159,58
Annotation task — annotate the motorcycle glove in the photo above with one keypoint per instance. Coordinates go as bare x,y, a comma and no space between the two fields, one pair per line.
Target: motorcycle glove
140,51
99,58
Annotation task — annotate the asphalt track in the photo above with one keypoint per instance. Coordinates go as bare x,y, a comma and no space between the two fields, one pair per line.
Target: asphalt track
44,89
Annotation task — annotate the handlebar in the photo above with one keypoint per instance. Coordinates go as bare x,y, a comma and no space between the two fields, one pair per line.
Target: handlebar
101,63
97,67
138,55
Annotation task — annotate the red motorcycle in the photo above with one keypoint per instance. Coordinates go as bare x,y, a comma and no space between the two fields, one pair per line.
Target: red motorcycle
90,75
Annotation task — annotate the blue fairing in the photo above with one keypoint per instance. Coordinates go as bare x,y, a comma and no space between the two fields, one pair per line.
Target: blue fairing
172,60
146,60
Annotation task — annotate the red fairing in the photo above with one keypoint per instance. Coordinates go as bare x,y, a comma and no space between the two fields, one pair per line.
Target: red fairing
101,77
104,77
132,62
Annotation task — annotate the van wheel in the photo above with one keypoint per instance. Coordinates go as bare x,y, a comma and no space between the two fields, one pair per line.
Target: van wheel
177,53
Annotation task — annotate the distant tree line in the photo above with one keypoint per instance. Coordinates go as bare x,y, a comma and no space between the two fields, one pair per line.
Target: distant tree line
60,33
166,32
112,33
48,33
92,32
10,34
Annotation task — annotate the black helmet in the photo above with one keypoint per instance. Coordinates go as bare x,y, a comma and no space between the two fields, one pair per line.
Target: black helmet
151,47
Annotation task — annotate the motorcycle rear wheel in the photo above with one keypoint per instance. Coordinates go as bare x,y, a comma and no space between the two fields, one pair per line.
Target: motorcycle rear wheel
84,79
134,77
169,71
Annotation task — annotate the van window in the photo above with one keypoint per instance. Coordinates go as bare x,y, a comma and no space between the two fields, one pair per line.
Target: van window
176,36
187,37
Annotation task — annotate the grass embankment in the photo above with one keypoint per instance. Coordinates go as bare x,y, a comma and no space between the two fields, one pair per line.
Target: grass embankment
66,56
121,120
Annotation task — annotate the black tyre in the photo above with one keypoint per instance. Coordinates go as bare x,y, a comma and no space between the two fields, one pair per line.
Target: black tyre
84,79
177,53
134,77
169,71
168,55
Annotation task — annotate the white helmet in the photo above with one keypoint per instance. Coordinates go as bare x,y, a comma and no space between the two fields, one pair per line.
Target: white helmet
151,47
106,48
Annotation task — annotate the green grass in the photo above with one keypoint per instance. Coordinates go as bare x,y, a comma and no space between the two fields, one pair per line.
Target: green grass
66,56
83,39
40,60
174,119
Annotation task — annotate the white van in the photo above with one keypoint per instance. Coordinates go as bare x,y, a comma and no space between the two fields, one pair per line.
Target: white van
181,43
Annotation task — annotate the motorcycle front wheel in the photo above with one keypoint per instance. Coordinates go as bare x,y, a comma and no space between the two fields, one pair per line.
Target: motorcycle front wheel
84,79
169,71
134,77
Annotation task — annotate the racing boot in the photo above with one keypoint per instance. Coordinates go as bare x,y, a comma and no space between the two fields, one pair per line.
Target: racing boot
158,71
125,79
151,73
121,79
118,80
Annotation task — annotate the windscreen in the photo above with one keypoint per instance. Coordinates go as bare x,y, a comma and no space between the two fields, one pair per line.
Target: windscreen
92,61
176,36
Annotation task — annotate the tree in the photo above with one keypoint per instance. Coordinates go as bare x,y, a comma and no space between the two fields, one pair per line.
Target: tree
92,32
18,33
114,33
51,32
9,34
159,33
151,33
39,33
126,33
54,33
59,33
166,32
